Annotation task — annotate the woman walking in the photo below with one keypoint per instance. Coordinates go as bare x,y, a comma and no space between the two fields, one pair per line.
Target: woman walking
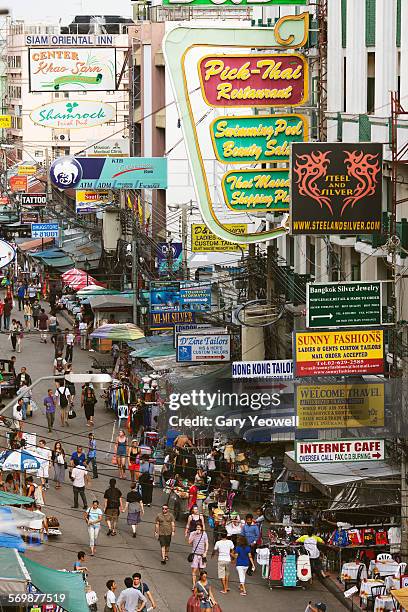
134,506
58,461
20,336
88,402
204,592
134,461
121,444
13,334
93,518
194,519
28,313
146,482
244,559
199,542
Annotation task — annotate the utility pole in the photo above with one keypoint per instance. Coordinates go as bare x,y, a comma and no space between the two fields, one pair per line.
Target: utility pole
184,238
135,280
251,275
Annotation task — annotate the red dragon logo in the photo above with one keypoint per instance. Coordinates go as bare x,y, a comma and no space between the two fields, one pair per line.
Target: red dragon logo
363,167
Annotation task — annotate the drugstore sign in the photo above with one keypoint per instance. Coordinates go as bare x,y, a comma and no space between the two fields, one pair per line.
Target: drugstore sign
257,190
74,114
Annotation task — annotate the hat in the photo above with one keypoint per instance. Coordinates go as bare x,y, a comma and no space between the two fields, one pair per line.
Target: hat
321,606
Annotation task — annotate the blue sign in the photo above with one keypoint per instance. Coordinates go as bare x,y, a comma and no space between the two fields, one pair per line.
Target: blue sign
109,172
169,257
173,296
44,230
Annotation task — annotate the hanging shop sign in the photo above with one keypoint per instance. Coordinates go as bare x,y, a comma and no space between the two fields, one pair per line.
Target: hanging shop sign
18,183
253,80
7,253
257,190
336,188
74,114
44,230
343,304
204,241
253,138
334,353
109,172
169,257
108,148
69,40
277,368
338,451
172,296
340,406
233,3
184,328
73,69
5,121
167,320
91,201
213,347
34,200
26,170
29,217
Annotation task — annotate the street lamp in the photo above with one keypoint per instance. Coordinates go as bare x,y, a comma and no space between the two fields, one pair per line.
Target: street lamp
87,267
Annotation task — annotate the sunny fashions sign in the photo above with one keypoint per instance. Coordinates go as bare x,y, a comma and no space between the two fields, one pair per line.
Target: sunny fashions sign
74,114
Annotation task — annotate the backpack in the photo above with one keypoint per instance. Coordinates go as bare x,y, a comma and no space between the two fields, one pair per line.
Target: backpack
63,399
60,365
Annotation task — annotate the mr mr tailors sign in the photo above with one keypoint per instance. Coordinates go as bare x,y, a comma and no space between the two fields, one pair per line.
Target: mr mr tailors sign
73,114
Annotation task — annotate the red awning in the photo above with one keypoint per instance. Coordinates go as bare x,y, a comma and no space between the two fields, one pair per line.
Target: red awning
31,245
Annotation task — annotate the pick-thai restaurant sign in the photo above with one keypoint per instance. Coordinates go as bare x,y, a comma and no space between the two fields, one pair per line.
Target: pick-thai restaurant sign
336,188
253,80
257,190
74,114
339,352
73,69
256,138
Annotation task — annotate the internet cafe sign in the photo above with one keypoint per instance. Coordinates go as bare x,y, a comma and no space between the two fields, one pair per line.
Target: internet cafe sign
73,114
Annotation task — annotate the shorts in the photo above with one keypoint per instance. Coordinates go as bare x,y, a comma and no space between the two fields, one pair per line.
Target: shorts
112,512
242,570
229,453
197,562
316,565
223,569
165,540
43,471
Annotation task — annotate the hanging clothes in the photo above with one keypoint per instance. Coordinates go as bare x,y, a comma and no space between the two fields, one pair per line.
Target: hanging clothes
276,568
290,571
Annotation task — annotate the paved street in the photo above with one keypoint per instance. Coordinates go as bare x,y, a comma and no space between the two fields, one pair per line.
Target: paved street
120,556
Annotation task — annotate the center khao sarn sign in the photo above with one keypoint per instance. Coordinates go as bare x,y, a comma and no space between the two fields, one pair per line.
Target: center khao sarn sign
74,114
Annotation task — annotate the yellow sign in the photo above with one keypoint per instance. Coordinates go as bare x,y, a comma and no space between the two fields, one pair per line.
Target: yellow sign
332,406
204,241
339,352
5,121
25,170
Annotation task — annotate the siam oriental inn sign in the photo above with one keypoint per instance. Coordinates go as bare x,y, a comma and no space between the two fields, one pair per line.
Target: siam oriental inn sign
252,70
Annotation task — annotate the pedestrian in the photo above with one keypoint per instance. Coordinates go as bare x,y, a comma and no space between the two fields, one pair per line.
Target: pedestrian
91,457
110,597
62,396
31,293
45,455
69,342
1,311
224,547
134,507
93,517
28,313
250,531
83,332
317,607
18,415
70,385
50,407
36,313
199,542
120,452
21,291
310,541
39,495
134,461
164,529
204,592
25,393
59,365
79,564
113,505
88,401
58,340
20,336
23,378
13,333
243,559
43,325
8,307
131,599
144,589
59,463
78,457
146,480
52,323
194,519
79,477
192,494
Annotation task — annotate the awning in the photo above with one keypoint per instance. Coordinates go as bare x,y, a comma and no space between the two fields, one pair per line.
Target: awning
34,244
360,495
48,254
157,350
11,499
57,262
49,580
110,302
162,363
13,575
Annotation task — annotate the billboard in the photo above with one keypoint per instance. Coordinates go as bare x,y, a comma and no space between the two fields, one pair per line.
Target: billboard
73,69
68,40
34,199
337,451
272,368
206,348
339,405
5,121
167,320
73,114
336,188
257,190
169,257
204,241
109,172
91,201
250,138
334,353
25,169
173,296
18,183
254,80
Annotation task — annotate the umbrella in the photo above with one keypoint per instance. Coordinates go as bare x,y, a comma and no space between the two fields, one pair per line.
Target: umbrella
78,279
118,331
20,461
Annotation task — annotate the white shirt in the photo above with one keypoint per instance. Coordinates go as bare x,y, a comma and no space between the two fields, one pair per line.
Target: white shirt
262,556
78,474
224,548
311,547
62,362
62,391
17,414
110,599
70,339
43,453
83,327
210,462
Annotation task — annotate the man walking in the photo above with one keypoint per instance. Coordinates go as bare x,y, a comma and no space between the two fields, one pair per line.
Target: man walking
131,599
250,531
43,325
224,547
79,477
62,395
20,295
92,455
69,340
58,339
23,378
113,505
165,527
50,408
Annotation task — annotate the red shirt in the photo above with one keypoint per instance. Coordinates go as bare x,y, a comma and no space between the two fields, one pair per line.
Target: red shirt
192,496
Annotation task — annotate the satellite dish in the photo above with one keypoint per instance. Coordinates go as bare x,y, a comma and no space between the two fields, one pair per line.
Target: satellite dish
7,253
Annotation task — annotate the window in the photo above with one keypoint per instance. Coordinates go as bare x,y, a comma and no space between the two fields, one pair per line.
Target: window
370,23
356,272
38,154
370,82
344,23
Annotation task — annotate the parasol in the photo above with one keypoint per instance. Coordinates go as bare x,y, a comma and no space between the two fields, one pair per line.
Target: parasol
78,279
19,461
118,332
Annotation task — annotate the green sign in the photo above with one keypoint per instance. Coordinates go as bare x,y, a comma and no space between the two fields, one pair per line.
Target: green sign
257,190
355,304
218,3
255,138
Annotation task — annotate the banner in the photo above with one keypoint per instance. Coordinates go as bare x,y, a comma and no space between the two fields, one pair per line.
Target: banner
169,257
91,201
257,190
336,188
204,241
173,296
74,114
338,405
333,353
74,69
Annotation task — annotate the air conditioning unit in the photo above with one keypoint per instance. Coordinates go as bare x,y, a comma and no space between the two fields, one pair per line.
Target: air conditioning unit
60,135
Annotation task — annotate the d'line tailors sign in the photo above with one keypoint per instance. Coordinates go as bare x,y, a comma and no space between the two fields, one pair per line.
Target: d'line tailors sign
336,188
204,241
34,200
279,368
334,353
340,405
343,304
337,451
207,348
